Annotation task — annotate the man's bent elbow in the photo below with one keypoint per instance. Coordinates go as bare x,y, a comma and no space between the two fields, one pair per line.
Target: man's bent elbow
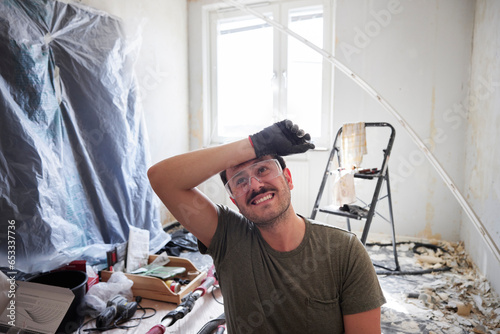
153,176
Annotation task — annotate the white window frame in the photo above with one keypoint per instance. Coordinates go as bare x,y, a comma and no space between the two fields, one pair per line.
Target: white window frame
213,12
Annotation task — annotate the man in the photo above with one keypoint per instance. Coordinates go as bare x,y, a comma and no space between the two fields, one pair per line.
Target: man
279,272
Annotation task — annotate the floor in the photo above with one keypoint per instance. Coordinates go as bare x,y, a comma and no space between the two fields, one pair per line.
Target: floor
454,299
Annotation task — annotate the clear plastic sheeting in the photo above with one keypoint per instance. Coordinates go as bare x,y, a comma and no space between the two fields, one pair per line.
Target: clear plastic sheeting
73,158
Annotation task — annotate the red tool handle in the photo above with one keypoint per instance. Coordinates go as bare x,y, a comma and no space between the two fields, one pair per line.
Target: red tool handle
207,282
186,306
157,329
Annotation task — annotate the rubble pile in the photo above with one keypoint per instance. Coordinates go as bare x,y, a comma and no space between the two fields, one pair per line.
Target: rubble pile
461,296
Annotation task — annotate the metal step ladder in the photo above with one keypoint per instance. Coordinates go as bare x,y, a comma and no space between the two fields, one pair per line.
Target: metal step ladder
367,211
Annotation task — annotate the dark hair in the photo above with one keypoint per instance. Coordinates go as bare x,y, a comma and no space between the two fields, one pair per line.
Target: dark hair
223,175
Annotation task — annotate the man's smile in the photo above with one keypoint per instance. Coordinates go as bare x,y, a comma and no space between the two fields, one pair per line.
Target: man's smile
258,200
262,195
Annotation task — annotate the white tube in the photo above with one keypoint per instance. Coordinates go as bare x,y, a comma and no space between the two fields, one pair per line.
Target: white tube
416,139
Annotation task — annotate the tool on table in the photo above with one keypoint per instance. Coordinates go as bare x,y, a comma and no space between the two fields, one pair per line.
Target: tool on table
117,309
186,306
118,312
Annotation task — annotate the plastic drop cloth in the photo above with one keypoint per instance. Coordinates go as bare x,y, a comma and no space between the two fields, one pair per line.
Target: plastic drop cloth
73,158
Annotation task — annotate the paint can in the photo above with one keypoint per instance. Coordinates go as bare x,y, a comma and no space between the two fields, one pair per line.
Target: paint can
174,286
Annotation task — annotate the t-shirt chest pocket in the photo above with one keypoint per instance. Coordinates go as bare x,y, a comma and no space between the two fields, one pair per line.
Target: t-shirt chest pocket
324,316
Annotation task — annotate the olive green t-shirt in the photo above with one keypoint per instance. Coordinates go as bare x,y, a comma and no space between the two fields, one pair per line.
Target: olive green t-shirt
306,290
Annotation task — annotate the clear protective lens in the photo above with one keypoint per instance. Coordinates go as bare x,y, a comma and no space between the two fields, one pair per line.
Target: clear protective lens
262,171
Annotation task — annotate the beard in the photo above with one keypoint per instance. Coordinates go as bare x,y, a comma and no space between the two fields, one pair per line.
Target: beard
268,215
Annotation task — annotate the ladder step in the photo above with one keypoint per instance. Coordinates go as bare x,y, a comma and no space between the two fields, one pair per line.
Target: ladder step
367,176
334,210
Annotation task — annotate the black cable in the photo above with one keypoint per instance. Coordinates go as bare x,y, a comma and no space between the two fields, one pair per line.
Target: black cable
431,246
213,295
143,309
84,324
417,245
412,272
390,272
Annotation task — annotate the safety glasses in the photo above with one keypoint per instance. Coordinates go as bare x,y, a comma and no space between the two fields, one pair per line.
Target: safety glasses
261,171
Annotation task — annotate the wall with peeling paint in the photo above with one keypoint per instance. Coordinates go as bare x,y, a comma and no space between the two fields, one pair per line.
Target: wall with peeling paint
417,56
482,179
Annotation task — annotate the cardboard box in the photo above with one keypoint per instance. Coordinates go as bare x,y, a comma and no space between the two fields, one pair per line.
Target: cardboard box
37,307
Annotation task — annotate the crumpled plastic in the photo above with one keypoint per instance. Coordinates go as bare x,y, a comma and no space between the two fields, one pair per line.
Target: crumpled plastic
98,295
73,157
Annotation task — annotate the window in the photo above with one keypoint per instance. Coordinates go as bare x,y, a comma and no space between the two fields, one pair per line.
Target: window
259,75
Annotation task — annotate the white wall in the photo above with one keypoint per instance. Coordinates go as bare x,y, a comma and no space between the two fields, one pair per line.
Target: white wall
482,178
161,70
416,54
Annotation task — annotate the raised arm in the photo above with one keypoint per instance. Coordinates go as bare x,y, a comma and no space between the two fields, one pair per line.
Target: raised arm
175,179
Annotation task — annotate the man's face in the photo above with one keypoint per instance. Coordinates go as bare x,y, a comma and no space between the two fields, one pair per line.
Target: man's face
266,199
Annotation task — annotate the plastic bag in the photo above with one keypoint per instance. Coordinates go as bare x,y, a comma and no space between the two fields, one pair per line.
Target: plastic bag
73,157
98,295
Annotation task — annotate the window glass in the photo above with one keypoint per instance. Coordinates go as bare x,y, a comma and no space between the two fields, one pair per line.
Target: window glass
244,76
258,75
304,86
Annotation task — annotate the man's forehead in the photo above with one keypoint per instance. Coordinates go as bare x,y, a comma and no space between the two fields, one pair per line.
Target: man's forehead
235,169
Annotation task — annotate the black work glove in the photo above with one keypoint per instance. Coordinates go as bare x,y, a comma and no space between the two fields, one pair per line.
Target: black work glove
282,138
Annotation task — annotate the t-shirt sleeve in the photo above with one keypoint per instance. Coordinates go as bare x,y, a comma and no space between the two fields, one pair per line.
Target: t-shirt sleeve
361,289
231,227
218,238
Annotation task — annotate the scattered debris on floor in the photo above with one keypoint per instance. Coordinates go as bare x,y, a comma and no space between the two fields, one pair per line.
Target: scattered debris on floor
457,299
